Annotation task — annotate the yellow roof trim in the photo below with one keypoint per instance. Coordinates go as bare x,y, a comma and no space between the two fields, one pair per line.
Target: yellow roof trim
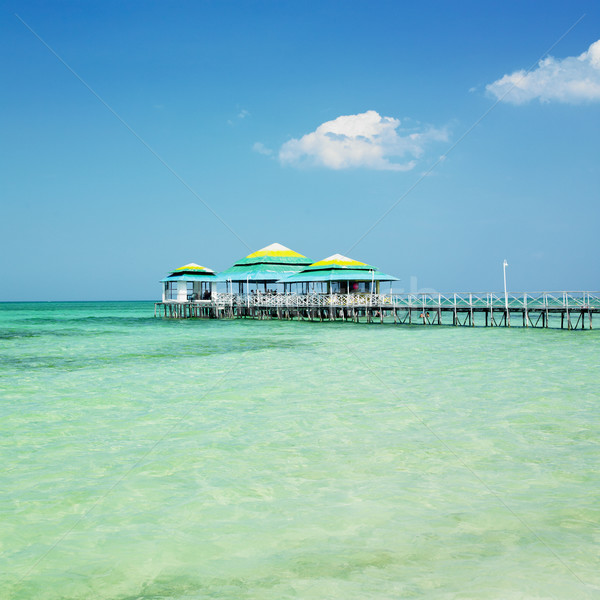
338,259
193,267
275,250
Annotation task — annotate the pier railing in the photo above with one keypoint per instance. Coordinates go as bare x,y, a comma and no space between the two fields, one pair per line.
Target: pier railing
571,310
415,301
290,300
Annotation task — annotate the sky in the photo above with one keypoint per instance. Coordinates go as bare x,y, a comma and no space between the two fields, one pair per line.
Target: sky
432,139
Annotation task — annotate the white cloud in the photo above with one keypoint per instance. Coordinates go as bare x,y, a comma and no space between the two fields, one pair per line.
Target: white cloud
364,140
574,79
242,114
262,149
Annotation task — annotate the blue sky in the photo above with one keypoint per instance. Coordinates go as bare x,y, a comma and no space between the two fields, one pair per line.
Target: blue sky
301,123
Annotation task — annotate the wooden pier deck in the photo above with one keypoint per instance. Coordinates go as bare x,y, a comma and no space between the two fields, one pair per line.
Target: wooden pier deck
565,310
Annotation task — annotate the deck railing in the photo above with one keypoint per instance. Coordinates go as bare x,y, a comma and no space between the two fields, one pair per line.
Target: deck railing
426,301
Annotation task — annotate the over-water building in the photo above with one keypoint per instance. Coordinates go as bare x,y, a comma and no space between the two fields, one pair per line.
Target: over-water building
339,275
265,268
188,283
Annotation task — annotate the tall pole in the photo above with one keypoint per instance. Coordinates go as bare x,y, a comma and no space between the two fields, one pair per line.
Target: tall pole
505,292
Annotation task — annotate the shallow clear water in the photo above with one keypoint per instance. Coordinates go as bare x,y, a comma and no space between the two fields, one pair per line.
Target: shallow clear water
145,458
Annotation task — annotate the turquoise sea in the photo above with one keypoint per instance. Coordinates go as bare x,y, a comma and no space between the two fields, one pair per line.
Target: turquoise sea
151,459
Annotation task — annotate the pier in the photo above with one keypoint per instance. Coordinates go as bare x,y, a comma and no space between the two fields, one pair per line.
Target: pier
564,310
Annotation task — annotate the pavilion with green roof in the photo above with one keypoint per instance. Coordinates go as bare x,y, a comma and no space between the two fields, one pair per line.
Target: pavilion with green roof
191,282
339,274
263,267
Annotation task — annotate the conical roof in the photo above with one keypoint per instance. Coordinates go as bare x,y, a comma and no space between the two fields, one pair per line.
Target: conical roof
193,268
338,268
269,264
275,254
338,261
191,272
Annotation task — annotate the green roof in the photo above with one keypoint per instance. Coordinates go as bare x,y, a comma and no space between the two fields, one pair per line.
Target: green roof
339,275
258,272
192,268
274,254
191,272
190,277
338,268
337,261
269,264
